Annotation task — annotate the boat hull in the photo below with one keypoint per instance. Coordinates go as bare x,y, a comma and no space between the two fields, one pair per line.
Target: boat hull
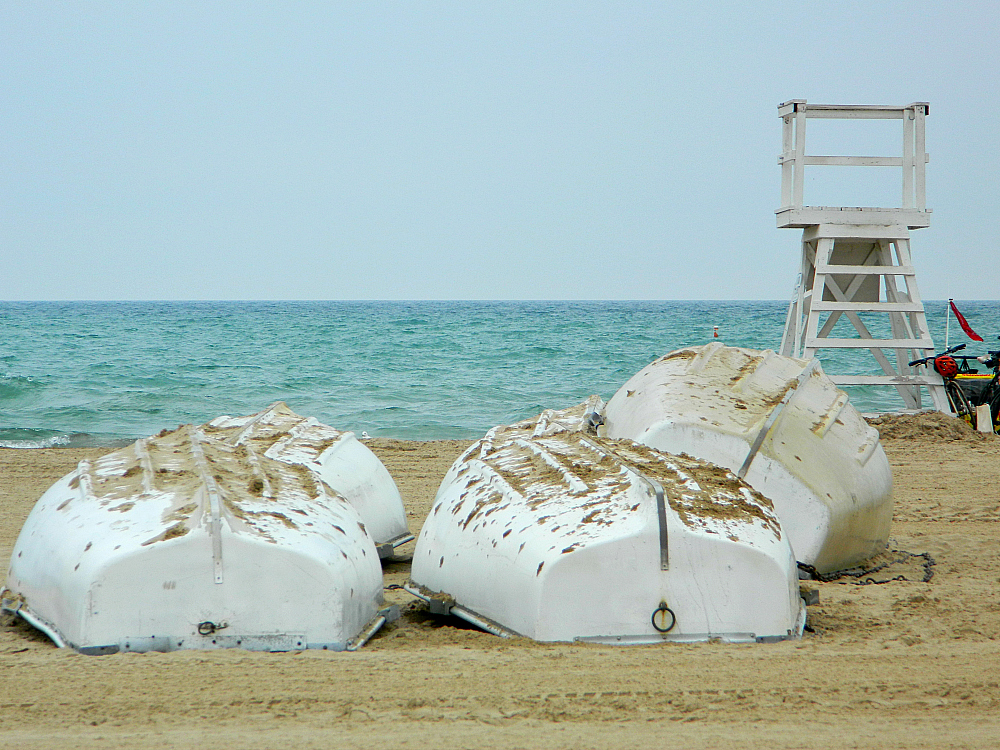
192,540
784,427
339,459
566,536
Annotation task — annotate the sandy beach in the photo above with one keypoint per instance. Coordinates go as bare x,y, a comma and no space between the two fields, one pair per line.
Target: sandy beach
901,664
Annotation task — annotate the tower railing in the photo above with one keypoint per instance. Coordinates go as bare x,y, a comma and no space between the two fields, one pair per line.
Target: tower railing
912,211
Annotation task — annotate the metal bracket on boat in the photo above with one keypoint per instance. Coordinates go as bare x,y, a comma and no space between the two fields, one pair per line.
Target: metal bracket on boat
208,627
773,417
389,614
443,606
20,609
594,421
657,489
387,548
650,638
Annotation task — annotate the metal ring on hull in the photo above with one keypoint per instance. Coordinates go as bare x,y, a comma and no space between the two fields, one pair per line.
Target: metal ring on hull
673,618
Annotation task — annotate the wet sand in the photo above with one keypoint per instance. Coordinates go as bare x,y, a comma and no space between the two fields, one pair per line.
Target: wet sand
901,664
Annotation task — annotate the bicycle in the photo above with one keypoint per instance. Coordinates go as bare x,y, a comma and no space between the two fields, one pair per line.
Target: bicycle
946,366
985,388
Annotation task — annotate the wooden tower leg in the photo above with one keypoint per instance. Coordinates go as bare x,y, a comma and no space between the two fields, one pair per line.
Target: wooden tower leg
793,338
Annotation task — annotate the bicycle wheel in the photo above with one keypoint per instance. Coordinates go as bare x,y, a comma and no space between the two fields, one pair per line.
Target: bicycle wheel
995,412
959,403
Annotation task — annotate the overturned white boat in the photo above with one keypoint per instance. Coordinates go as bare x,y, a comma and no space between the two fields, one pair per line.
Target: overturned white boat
338,458
780,424
543,530
204,537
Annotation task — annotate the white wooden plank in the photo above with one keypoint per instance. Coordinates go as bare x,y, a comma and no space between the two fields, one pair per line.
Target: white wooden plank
920,147
805,216
885,380
854,107
868,270
883,212
854,161
798,178
821,343
868,306
833,112
908,160
786,159
858,231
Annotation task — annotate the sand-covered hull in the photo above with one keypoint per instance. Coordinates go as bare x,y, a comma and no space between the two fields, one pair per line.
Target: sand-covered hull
190,540
559,535
783,426
337,457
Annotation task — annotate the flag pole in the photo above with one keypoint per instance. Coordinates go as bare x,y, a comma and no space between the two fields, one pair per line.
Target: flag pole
947,323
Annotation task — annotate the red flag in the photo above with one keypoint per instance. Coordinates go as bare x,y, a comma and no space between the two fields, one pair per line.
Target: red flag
964,323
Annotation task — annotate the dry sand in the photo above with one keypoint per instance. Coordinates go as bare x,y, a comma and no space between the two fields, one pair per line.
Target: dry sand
904,664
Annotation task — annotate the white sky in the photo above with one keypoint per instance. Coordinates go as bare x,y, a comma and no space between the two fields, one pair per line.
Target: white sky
465,150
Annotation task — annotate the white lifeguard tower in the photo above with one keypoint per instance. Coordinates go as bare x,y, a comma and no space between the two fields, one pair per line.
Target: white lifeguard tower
857,260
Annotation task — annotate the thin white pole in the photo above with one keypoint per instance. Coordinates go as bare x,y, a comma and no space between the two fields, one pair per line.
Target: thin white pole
947,323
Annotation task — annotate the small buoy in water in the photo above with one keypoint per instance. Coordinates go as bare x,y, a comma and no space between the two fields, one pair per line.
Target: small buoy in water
715,332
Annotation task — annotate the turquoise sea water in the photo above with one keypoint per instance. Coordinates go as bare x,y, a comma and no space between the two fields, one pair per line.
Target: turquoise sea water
96,373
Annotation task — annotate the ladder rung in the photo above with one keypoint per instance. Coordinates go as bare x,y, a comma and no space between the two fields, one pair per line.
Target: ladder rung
826,268
884,380
853,161
868,306
869,344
